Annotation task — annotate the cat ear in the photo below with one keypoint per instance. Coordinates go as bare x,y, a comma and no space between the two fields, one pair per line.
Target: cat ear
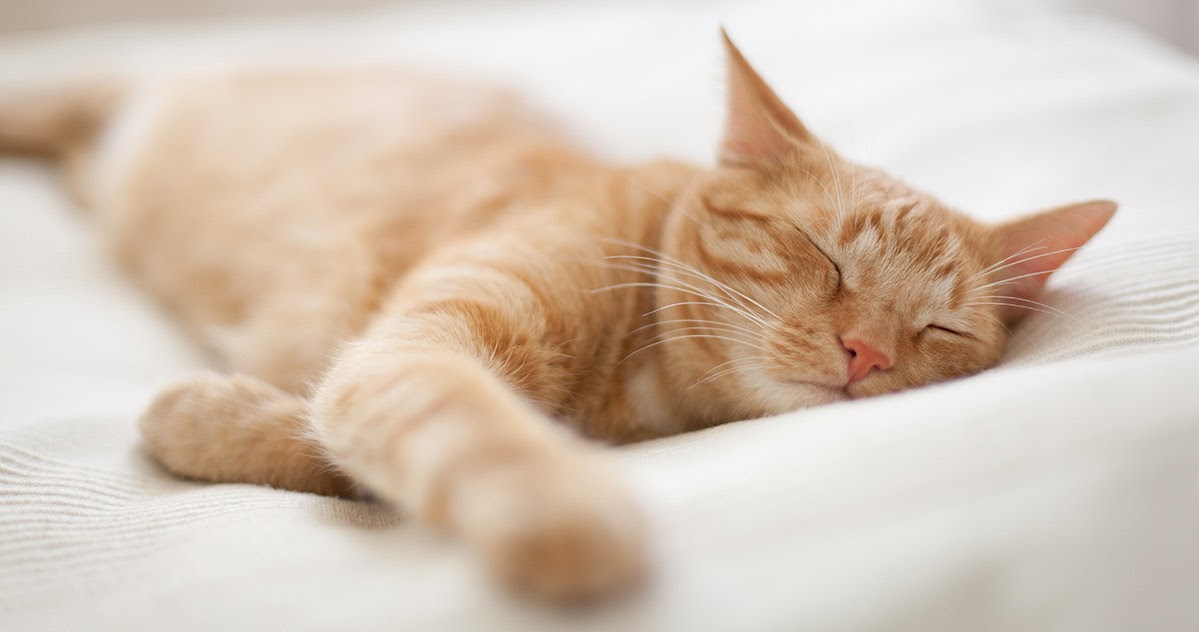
1034,247
759,129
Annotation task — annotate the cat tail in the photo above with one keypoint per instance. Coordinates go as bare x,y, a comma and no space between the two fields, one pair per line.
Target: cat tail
53,122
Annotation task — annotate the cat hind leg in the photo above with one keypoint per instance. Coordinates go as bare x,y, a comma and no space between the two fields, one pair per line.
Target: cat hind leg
238,429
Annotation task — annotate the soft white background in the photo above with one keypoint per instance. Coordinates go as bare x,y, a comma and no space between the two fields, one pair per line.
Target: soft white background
1175,20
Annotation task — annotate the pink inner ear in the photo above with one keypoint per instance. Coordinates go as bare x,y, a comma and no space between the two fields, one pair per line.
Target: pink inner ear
1036,246
759,128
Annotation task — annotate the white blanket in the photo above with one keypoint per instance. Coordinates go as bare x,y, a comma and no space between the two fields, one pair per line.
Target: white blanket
1059,491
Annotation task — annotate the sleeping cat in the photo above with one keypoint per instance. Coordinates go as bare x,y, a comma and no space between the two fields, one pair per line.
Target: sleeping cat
422,289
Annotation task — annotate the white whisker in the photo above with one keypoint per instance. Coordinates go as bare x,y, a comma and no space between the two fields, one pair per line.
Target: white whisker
722,364
819,182
1027,307
744,330
692,272
1026,259
732,369
992,317
709,328
687,288
688,336
1029,301
1012,279
681,303
1018,253
853,188
664,258
841,211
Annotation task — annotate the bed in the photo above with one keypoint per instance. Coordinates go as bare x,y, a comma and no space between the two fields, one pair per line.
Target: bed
1059,491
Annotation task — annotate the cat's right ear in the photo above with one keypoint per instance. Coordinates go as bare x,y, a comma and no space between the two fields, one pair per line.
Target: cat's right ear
759,128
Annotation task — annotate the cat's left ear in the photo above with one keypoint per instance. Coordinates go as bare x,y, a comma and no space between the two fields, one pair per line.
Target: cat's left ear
759,129
1034,247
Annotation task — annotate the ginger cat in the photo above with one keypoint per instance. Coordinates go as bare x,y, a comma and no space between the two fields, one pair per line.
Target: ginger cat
410,281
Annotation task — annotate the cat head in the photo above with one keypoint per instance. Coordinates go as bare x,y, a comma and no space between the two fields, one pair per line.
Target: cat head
805,278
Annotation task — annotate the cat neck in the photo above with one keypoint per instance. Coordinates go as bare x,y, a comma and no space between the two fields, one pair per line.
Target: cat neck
682,392
662,383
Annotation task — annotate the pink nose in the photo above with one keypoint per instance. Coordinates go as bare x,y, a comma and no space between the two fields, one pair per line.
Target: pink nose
862,359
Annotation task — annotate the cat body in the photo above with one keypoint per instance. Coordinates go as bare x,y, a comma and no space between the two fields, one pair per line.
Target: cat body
421,288
437,187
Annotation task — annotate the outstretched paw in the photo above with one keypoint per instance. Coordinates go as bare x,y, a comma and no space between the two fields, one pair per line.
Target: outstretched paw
562,532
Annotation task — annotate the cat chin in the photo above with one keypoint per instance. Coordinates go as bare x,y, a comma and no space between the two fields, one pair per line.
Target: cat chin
784,396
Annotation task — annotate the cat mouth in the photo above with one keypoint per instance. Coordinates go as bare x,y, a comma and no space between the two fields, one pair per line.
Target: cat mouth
841,392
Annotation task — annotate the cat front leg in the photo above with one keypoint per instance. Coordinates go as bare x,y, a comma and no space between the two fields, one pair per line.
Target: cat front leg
420,412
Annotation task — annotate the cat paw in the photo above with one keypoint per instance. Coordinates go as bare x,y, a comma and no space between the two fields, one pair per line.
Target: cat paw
173,428
560,534
238,429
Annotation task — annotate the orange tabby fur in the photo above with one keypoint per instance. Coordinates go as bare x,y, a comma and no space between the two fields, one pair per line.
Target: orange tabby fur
409,279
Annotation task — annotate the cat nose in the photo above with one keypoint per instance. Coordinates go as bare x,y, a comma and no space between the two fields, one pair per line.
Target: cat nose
863,358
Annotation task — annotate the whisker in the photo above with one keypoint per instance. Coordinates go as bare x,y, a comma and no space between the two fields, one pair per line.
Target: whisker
666,286
703,303
853,188
1001,297
681,303
651,268
819,182
687,336
661,257
692,290
664,258
708,328
1028,307
720,374
992,267
1013,279
744,330
722,305
992,317
1026,259
836,179
732,292
722,364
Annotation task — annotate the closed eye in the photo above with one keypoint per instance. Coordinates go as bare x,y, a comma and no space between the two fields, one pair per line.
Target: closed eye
836,267
947,330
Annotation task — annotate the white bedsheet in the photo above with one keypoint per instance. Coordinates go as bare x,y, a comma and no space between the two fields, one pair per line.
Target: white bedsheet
1060,491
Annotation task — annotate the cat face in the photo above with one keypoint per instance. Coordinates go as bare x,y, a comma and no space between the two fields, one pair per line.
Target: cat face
819,280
